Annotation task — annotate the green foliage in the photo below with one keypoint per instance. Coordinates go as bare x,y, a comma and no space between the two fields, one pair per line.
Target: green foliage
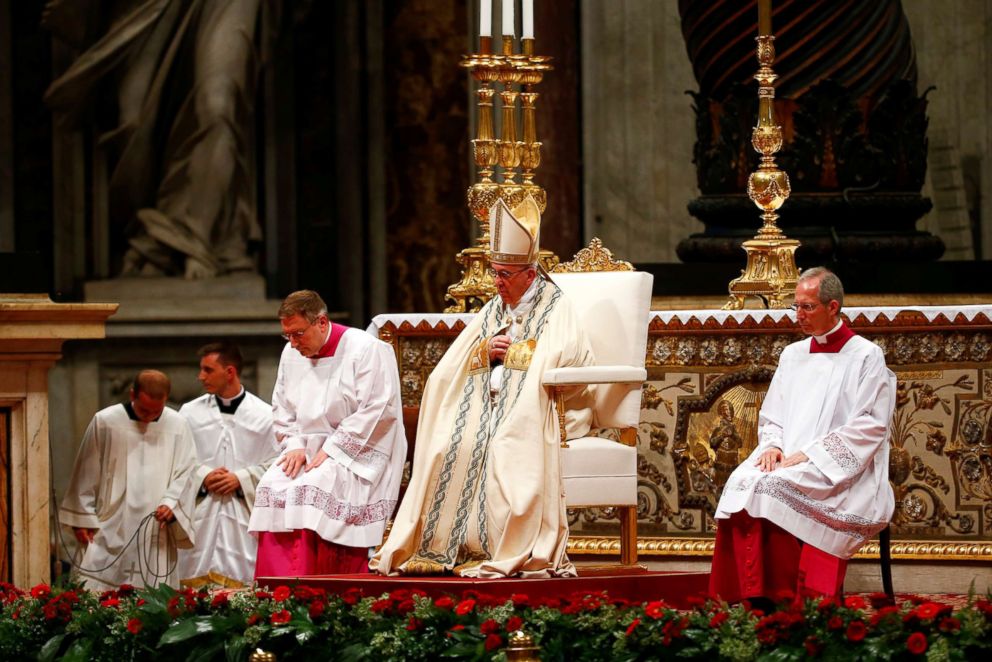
300,623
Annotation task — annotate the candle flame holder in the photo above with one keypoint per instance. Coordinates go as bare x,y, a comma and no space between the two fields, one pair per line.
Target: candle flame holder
516,75
770,274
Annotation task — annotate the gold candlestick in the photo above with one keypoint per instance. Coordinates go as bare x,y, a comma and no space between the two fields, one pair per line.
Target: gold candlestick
476,286
770,273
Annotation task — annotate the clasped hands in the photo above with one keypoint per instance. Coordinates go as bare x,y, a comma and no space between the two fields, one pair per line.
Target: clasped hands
221,481
773,459
498,346
292,461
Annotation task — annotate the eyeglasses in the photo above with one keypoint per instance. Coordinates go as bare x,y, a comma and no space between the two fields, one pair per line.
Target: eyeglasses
297,335
805,307
502,274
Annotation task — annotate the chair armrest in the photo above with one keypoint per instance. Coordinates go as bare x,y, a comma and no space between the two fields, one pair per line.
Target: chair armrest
595,374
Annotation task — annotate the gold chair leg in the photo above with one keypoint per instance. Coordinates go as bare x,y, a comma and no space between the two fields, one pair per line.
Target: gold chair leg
559,395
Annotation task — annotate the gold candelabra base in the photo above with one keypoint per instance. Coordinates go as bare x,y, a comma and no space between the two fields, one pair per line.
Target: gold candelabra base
476,287
770,274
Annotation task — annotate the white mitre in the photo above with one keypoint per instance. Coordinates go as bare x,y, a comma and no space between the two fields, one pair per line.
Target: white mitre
514,236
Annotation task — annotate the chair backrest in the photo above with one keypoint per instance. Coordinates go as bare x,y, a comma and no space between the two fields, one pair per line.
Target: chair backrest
613,308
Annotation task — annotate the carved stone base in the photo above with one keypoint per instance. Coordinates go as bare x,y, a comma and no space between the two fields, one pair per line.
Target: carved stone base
829,227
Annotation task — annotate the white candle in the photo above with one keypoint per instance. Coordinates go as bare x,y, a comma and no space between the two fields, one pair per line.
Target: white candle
485,18
508,17
528,19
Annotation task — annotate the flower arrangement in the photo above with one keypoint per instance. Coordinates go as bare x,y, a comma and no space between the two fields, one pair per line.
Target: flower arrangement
300,622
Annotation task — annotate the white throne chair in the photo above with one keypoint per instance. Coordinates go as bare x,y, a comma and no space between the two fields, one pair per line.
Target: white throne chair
612,303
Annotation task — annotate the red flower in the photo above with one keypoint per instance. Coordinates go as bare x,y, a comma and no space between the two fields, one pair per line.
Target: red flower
489,626
173,606
655,609
69,596
41,591
854,602
826,604
879,600
464,607
134,625
927,610
220,600
633,626
444,603
514,623
382,605
414,624
784,595
262,595
111,602
254,618
718,619
400,594
50,611
281,616
813,646
493,642
917,643
856,630
316,609
405,607
351,596
835,623
281,593
455,628
303,593
126,590
883,613
949,624
140,602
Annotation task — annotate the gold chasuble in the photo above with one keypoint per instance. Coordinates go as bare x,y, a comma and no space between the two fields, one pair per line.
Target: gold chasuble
486,497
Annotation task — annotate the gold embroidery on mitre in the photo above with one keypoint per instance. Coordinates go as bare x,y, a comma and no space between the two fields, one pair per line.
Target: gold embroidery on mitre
528,214
478,360
514,235
519,354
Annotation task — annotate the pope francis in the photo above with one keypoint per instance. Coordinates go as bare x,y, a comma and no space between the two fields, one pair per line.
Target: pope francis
485,498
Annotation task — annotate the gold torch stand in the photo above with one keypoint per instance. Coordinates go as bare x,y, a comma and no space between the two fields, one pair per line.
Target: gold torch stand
770,274
508,70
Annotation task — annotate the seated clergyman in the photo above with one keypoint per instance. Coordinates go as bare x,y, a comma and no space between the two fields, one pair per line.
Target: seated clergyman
816,487
485,498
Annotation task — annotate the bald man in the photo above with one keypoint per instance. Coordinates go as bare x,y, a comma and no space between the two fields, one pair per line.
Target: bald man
133,465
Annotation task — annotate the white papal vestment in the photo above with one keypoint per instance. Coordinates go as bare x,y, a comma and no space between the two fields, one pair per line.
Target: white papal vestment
243,442
124,471
486,497
348,405
835,408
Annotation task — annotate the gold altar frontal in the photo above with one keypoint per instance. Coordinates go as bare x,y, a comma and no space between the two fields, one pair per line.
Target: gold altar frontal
708,371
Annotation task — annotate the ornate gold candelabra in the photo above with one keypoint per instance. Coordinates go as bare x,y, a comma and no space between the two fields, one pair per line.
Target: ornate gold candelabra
770,274
513,157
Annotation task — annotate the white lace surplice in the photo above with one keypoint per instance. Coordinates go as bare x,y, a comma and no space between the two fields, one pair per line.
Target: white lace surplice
349,406
835,408
244,443
124,471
